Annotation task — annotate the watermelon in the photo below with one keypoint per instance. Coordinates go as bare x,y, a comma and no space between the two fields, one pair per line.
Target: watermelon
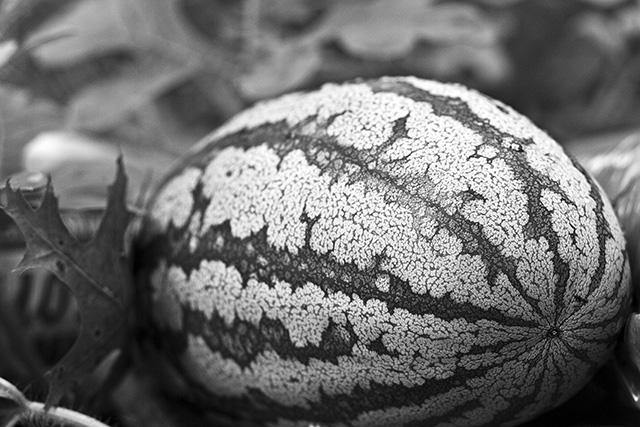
387,252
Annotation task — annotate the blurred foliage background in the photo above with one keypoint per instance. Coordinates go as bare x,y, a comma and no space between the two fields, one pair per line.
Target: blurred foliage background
152,76
83,80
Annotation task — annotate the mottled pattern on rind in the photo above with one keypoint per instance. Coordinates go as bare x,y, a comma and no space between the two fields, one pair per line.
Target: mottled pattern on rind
402,189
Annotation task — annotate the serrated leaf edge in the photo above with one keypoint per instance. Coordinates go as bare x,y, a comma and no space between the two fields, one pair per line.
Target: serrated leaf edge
49,199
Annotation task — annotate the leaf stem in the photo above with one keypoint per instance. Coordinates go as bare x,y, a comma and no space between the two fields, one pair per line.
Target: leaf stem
57,416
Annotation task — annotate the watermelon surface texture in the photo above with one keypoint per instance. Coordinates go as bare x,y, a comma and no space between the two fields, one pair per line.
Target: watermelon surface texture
391,252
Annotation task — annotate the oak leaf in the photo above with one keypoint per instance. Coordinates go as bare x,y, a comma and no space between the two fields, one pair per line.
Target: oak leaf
96,271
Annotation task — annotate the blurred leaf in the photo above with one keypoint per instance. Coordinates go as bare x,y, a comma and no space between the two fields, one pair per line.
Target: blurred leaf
458,38
629,20
90,28
96,271
22,117
378,29
295,12
614,160
597,3
284,67
386,29
610,102
500,3
103,94
627,207
631,350
476,66
19,69
8,49
19,17
160,23
602,30
165,54
579,61
604,3
80,165
105,104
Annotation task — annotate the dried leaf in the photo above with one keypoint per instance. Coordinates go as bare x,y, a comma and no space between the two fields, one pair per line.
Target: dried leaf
96,272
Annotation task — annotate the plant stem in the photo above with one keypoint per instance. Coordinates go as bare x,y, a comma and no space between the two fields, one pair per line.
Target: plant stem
54,416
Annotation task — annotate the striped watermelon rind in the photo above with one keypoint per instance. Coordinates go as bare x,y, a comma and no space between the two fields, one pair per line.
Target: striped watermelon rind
388,252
